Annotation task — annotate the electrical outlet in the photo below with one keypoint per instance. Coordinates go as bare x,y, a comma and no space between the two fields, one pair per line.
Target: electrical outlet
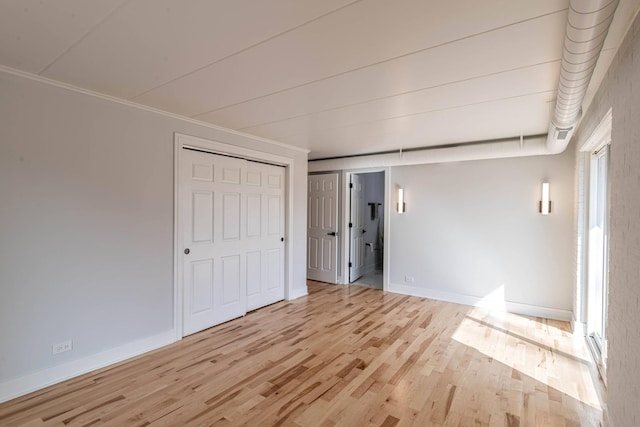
408,279
61,347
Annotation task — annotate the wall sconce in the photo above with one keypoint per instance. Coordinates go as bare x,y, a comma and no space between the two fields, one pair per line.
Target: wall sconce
545,203
401,208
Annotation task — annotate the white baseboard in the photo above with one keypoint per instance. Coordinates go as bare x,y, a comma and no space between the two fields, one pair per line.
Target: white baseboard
538,311
16,387
511,307
579,329
298,293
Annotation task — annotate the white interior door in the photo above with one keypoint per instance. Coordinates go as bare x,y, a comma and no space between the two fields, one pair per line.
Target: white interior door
233,219
356,229
322,228
214,274
264,234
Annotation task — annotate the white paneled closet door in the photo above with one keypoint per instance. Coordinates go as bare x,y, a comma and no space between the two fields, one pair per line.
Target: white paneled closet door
226,240
264,234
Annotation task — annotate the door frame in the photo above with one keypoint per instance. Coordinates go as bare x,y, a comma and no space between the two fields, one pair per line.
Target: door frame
216,147
599,138
345,213
598,345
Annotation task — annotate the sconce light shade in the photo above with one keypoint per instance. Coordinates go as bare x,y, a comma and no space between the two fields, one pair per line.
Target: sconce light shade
545,203
401,205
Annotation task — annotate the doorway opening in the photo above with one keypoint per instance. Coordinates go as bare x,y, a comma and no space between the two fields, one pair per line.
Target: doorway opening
366,212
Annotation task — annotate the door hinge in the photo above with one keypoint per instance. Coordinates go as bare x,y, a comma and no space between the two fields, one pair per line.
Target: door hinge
350,225
350,265
351,185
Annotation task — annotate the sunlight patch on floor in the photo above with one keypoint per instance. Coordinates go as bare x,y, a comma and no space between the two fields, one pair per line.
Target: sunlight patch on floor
533,347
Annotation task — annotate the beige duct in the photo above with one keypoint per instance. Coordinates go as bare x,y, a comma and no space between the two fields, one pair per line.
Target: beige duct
587,27
512,147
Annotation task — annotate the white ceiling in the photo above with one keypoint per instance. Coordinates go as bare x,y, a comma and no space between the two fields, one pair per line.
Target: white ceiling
338,77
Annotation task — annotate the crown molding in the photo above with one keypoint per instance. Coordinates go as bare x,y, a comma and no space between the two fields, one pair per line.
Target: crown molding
70,87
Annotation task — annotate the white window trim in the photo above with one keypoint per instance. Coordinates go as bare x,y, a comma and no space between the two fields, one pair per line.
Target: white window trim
593,147
600,136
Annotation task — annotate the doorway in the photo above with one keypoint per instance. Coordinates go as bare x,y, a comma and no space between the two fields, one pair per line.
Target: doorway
366,212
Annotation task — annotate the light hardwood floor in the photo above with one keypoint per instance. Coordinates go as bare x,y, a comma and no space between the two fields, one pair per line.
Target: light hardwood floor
341,356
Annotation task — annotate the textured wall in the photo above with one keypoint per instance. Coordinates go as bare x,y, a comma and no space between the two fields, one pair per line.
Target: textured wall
620,91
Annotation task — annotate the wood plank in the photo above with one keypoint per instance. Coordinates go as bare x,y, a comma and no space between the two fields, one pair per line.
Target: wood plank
343,355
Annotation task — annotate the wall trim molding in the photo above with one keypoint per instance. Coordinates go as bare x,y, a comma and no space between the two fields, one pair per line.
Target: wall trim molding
20,386
601,135
511,307
297,293
77,89
579,329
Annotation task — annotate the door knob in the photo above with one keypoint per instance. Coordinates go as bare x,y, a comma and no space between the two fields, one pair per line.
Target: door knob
333,233
186,251
364,231
282,239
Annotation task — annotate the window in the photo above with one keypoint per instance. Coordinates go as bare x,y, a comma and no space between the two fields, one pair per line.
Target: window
598,253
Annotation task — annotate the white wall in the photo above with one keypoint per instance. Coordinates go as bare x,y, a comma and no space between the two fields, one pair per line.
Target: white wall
620,91
86,227
472,228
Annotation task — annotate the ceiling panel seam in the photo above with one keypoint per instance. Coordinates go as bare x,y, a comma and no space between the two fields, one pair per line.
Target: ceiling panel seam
231,55
408,92
384,61
437,110
84,36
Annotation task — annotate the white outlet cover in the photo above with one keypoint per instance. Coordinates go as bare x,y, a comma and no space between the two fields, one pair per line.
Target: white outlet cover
62,347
